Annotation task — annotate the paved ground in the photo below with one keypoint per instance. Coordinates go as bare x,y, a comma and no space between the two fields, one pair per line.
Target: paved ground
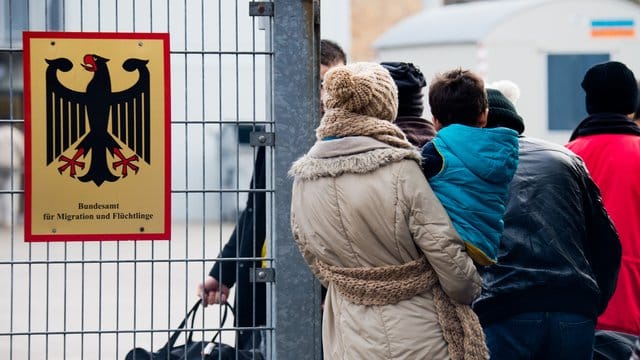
83,300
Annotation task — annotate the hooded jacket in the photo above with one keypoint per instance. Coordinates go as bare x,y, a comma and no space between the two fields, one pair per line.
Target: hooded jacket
476,167
360,203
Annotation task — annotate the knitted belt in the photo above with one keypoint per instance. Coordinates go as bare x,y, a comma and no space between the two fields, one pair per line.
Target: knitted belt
382,285
390,284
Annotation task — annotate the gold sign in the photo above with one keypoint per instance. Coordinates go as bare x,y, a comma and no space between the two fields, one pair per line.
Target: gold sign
97,136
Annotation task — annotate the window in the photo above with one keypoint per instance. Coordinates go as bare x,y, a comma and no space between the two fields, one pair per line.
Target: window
46,15
566,97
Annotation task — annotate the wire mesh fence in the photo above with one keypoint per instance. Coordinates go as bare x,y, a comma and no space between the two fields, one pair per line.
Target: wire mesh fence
97,299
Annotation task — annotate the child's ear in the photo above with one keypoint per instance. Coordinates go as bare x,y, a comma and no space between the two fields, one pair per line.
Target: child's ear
482,121
437,124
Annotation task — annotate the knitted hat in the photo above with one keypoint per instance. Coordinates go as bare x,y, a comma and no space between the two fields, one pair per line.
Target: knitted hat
362,88
410,82
610,87
502,112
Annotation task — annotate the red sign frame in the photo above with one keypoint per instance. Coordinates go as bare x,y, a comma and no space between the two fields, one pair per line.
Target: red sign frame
76,123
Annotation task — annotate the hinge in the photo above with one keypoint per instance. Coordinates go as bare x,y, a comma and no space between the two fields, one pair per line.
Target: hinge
261,138
262,275
260,8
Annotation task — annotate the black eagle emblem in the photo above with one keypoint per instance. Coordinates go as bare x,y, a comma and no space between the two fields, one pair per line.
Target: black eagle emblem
92,120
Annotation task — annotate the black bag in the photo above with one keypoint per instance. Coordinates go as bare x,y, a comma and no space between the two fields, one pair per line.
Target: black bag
612,345
195,350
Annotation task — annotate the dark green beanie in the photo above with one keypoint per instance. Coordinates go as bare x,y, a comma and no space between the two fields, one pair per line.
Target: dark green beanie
502,113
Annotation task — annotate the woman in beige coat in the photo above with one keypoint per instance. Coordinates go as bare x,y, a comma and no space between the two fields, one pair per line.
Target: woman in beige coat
369,226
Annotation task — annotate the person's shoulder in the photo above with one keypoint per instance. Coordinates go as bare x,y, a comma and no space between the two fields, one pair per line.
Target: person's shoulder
540,145
552,155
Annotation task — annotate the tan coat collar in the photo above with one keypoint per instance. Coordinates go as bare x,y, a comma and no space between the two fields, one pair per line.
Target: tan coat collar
349,155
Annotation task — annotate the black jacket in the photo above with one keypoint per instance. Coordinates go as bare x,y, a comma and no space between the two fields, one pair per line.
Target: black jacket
559,251
246,241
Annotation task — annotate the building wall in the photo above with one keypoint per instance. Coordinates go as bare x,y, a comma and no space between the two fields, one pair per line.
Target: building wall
335,23
371,18
518,49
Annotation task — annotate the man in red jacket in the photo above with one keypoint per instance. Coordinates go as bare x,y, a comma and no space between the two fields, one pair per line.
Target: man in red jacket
609,143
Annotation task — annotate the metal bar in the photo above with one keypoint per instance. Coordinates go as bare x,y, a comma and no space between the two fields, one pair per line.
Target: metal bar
64,306
133,331
269,173
12,255
11,121
147,151
220,122
203,145
82,292
234,53
46,313
21,191
222,190
220,116
182,52
297,298
132,261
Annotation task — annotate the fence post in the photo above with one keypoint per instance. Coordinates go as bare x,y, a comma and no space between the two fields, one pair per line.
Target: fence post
296,108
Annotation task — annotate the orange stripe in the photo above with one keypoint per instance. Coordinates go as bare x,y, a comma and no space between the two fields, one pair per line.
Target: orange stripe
613,32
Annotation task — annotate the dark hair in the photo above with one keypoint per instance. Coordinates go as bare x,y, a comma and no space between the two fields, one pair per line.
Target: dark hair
331,53
457,97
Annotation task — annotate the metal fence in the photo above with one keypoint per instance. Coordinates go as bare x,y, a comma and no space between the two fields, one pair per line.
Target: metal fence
243,76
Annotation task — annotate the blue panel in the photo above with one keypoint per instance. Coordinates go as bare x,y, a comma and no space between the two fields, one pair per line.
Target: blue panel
612,23
565,96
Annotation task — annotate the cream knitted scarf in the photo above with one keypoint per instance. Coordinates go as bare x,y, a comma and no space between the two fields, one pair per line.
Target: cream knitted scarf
341,123
392,283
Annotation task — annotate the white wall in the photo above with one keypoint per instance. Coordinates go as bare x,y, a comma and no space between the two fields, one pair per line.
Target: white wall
518,48
335,23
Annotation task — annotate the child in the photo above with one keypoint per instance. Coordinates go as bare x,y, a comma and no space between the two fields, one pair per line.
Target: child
469,167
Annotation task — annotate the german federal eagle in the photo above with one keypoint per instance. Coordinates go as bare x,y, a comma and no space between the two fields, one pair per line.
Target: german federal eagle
91,121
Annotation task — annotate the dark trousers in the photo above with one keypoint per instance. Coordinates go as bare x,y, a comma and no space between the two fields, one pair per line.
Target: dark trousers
541,335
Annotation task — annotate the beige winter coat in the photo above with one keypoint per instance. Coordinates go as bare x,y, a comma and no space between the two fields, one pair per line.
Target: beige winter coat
358,202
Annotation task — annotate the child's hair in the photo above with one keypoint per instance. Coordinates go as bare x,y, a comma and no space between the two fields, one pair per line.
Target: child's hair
457,97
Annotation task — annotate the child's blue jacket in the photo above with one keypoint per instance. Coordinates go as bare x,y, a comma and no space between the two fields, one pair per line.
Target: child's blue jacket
477,165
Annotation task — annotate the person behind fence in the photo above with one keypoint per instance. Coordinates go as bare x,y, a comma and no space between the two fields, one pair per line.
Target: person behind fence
559,252
469,167
371,229
609,143
410,82
248,241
